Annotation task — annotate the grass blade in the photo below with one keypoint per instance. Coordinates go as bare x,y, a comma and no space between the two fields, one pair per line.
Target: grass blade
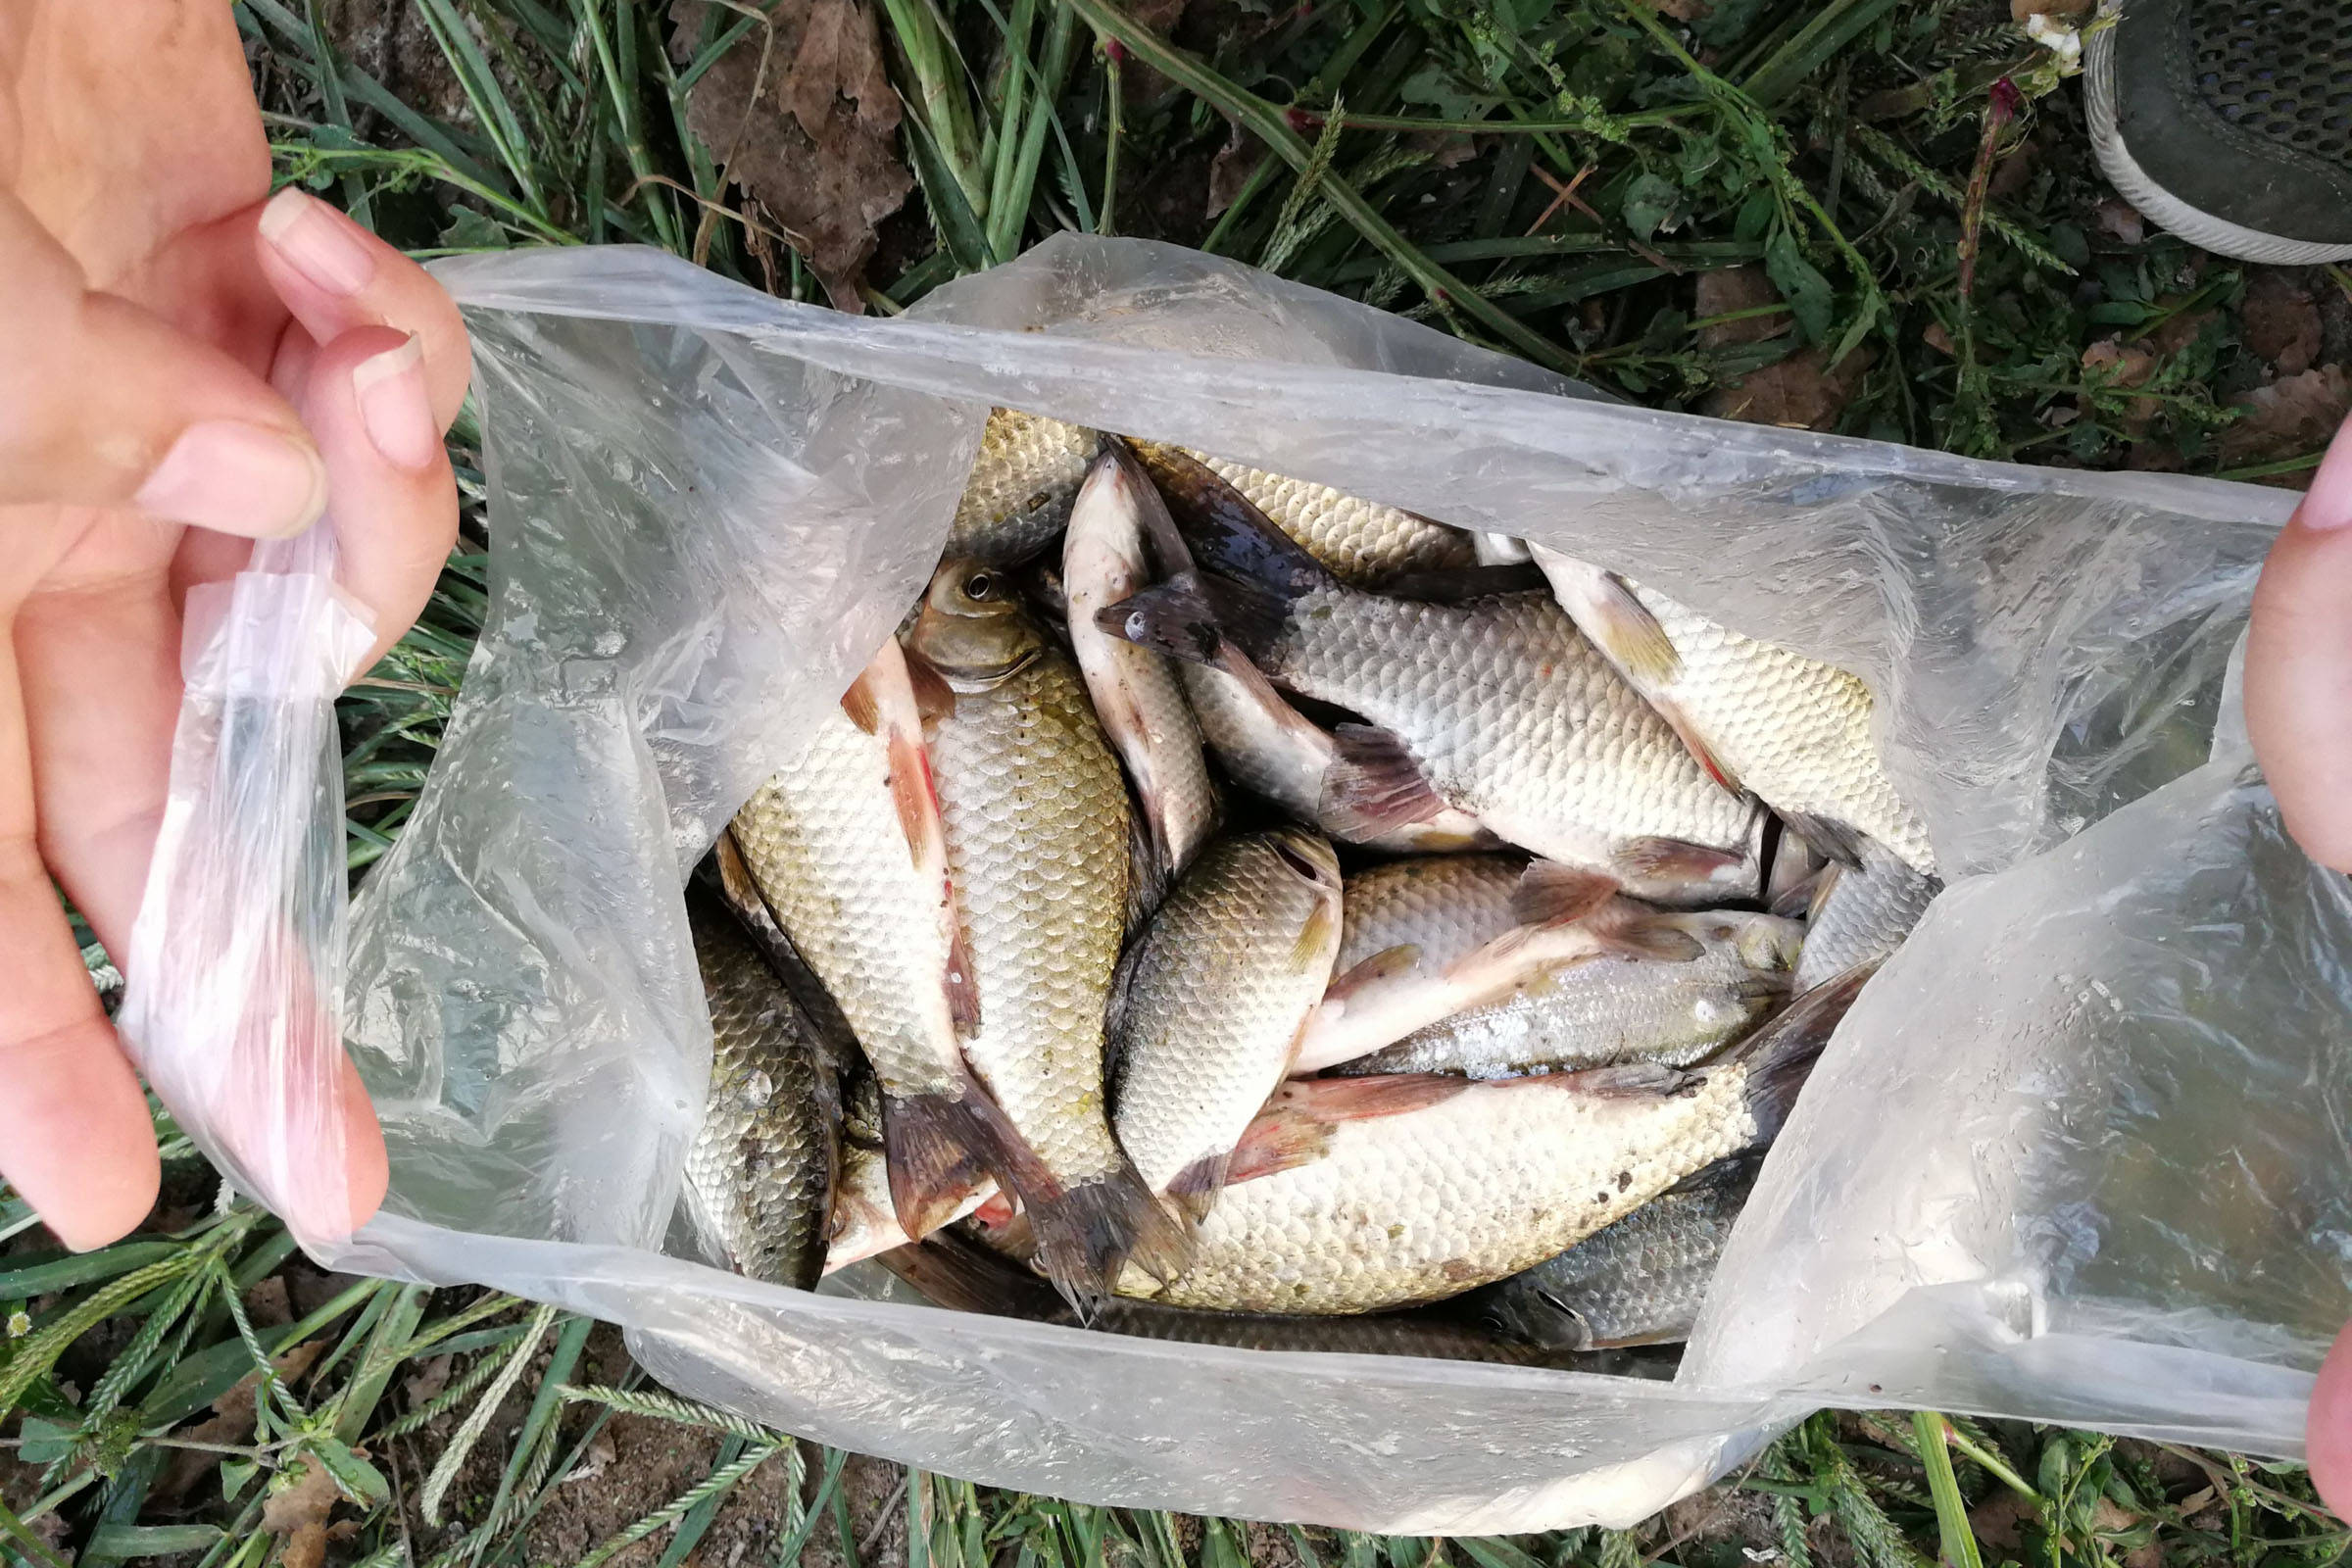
1952,1514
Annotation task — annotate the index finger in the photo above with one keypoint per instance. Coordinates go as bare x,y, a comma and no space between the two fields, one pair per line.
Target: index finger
2299,665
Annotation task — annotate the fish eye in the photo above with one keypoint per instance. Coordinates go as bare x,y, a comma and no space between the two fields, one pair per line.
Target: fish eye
980,585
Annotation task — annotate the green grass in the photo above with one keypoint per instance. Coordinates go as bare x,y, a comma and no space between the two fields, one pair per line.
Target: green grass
1830,211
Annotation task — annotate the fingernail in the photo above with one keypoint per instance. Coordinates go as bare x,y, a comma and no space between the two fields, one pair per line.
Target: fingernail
316,242
239,478
396,408
2327,504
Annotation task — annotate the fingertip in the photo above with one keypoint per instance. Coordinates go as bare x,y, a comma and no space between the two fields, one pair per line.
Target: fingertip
114,1199
367,1166
2327,1428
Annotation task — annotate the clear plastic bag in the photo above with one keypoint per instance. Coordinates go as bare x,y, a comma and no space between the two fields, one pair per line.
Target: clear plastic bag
2078,1155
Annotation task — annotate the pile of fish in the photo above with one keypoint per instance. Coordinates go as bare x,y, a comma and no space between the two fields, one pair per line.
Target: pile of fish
1238,911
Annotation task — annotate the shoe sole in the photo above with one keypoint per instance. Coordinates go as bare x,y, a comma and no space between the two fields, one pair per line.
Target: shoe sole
2161,206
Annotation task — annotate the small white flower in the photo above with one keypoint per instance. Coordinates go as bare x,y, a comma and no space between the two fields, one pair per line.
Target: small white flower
2059,38
20,1323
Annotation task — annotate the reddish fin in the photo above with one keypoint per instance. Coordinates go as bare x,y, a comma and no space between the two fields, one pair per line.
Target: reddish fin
1551,894
934,698
1676,859
1277,1140
1833,838
861,706
1196,1186
1337,1099
998,1211
933,1145
1088,1234
1373,785
1385,964
1695,743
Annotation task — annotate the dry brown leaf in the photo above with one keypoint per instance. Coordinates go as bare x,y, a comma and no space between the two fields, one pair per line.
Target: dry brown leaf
2119,220
1232,168
2282,321
2292,415
2063,10
1730,290
2125,365
814,136
1996,1521
1935,337
299,1514
1680,10
429,1380
1799,393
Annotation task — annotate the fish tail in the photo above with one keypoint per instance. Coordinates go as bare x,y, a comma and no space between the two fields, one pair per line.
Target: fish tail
937,1148
1781,1055
1088,1232
954,1273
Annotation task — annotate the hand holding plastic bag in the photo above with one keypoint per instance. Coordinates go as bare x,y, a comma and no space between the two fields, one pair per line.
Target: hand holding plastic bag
2298,700
186,368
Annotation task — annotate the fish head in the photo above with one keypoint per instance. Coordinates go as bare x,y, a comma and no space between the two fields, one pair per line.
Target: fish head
1308,853
972,629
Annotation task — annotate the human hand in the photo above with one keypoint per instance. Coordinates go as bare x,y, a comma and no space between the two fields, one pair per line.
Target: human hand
186,370
2300,713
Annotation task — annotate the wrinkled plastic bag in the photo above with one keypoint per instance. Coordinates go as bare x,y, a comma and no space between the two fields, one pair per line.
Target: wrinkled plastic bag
2078,1154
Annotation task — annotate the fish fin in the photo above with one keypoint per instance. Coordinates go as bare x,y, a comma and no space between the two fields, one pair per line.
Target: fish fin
1678,859
1758,991
1459,585
861,706
1781,1054
996,1211
1732,1170
918,801
1194,617
1679,720
1623,628
1833,838
1224,531
1087,1234
1196,1186
1626,1080
1316,942
1337,1099
1385,964
1551,894
1638,931
935,1146
951,1271
934,698
1373,784
1277,1140
1114,1020
735,881
1166,545
1150,867
1804,901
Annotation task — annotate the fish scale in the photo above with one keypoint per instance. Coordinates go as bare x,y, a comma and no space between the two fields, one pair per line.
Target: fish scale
1427,1203
1520,722
1862,915
1036,819
1363,541
1442,905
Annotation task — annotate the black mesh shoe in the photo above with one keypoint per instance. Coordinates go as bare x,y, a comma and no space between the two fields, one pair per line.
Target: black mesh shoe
2229,121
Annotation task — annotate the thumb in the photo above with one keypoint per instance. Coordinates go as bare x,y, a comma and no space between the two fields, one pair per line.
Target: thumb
103,405
2299,665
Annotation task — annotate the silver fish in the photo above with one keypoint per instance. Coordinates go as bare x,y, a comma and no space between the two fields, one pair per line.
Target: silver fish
1795,730
846,845
1858,916
1037,830
1021,485
1136,691
1614,1008
1641,1281
760,1171
1213,1001
1496,707
1362,542
1355,1194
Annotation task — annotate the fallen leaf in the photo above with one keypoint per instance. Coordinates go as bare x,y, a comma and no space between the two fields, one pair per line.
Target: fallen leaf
1680,10
1799,393
813,136
2292,415
598,1460
266,1304
1730,290
2064,10
429,1380
1232,168
299,1514
2124,365
1935,337
2119,219
2282,321
2178,331
1997,1520
231,1422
